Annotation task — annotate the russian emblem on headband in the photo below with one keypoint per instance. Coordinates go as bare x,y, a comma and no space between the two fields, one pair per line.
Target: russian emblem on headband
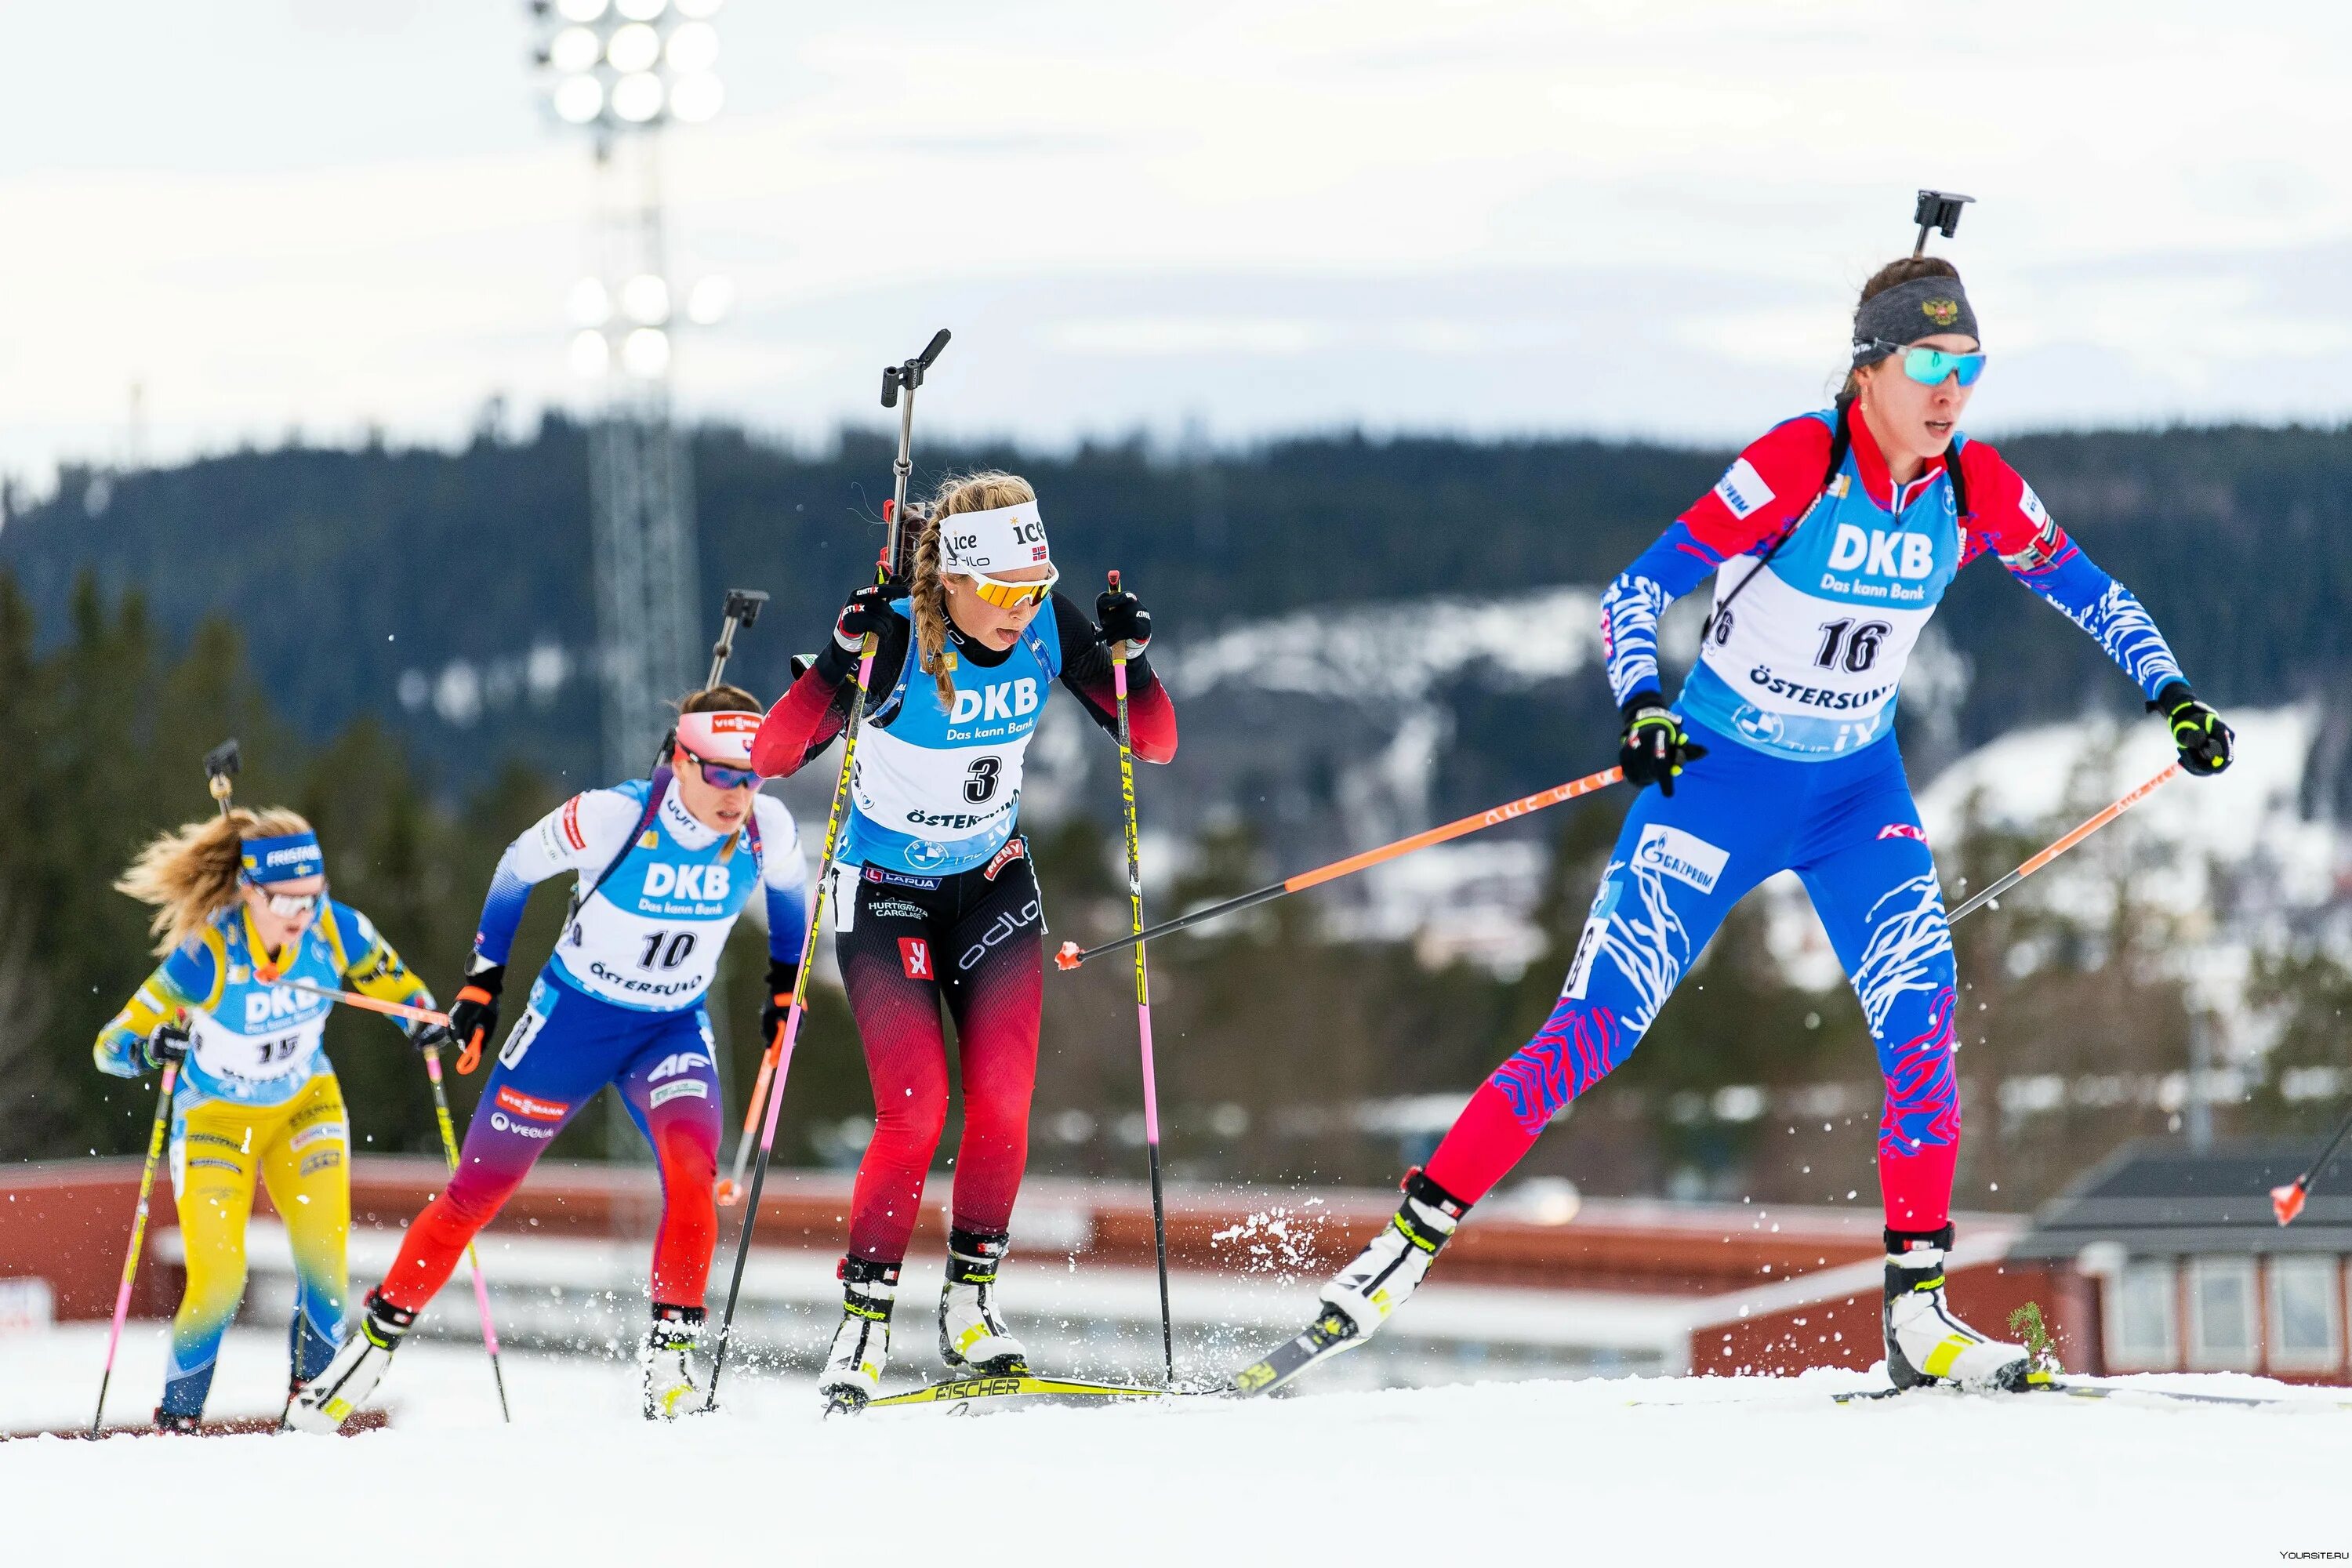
1943,312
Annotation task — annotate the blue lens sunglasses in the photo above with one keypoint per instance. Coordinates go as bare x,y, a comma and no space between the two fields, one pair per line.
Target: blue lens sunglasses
1929,367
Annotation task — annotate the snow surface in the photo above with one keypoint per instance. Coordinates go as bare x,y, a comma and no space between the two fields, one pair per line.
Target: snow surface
1746,1470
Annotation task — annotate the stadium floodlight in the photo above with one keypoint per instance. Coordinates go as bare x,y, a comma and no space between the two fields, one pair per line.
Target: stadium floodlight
708,302
696,10
574,50
591,303
641,10
693,47
635,47
591,354
637,97
579,98
697,97
645,353
581,10
644,299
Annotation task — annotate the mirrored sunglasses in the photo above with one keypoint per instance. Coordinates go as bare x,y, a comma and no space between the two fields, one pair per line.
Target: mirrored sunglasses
717,776
1011,596
1931,367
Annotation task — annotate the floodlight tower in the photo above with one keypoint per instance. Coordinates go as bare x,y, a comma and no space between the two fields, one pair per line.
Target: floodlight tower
622,70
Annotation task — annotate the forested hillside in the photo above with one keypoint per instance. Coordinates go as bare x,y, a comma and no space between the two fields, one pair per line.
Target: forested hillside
349,569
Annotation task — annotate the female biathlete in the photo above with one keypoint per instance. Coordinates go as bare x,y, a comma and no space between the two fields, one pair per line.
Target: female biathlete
1832,539
661,868
242,910
932,892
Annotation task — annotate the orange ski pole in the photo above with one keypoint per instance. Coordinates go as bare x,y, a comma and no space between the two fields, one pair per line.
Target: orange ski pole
1071,956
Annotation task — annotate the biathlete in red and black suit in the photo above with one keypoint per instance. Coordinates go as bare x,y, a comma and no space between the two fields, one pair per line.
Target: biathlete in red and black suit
1831,540
933,897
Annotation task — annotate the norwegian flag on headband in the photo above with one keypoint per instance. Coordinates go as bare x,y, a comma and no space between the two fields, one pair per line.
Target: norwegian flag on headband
722,738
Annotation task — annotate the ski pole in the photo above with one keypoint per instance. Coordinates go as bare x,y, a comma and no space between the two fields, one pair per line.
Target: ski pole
2286,1202
1071,956
2129,800
730,1191
1142,996
369,1004
138,1233
898,378
472,1257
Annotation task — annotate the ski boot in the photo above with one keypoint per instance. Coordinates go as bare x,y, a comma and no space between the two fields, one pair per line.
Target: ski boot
337,1393
177,1423
668,1358
861,1345
971,1333
1926,1344
1360,1298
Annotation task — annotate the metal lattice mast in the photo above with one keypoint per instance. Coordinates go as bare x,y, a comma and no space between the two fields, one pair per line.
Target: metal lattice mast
640,489
622,70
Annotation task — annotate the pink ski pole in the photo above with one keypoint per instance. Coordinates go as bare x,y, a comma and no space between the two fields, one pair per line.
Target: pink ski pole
138,1236
1142,996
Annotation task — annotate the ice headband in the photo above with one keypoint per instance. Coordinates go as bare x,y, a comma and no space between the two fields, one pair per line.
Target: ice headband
722,738
284,858
1907,313
1005,539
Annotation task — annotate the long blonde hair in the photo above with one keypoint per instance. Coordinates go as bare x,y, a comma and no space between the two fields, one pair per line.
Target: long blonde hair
928,596
190,874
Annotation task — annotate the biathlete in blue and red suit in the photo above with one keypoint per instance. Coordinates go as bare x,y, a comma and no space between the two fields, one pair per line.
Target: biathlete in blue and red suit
661,869
1831,540
933,897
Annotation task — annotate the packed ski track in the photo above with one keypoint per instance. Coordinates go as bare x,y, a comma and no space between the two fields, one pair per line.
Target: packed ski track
1746,1471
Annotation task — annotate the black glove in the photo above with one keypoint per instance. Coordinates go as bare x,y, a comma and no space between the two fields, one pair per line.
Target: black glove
428,1036
1654,749
866,610
782,977
168,1044
474,1016
2198,731
1122,619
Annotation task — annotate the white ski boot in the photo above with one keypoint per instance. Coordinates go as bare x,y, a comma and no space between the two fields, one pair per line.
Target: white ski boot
1360,1298
1926,1344
668,1358
1391,1266
861,1345
335,1396
971,1333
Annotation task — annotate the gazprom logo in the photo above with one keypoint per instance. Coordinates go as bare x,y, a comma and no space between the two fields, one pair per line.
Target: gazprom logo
1742,488
1685,856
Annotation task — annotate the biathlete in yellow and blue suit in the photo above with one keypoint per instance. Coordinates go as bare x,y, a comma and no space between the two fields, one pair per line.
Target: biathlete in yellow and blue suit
242,913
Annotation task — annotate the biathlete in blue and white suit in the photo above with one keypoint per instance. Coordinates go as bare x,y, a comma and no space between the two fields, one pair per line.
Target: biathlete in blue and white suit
933,897
1831,540
661,869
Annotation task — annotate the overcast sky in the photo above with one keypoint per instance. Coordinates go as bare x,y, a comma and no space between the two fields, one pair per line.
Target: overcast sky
1481,215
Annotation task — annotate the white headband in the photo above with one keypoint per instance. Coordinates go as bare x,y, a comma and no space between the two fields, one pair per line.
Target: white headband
1007,539
722,738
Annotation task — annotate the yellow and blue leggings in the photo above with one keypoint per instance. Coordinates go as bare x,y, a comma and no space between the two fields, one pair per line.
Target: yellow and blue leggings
301,1149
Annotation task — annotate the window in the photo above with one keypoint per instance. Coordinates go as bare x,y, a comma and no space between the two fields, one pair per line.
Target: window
2221,1313
2140,1329
2305,1333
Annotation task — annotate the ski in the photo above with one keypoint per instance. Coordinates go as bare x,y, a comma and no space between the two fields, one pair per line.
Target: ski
989,1393
1327,1336
2123,1392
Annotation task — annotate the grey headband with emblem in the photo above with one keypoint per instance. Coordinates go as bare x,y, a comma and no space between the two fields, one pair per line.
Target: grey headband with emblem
1907,313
